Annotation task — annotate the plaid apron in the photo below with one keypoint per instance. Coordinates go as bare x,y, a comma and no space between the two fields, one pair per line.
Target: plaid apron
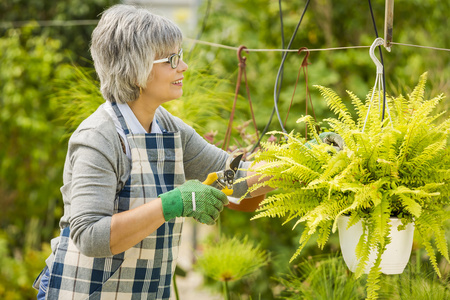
144,271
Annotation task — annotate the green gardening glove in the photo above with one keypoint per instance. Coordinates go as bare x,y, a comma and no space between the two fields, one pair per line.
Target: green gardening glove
194,199
332,139
329,138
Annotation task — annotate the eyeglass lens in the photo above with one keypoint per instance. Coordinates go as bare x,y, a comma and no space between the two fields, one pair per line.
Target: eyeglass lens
175,59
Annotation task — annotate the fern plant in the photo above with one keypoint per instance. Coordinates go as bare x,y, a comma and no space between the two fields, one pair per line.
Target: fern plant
398,166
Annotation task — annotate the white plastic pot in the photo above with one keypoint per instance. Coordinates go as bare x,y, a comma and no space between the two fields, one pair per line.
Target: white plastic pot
393,260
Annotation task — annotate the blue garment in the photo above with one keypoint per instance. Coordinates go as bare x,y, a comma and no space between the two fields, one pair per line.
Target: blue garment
144,271
43,286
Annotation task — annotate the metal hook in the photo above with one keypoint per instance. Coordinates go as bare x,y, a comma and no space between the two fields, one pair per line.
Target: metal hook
239,54
305,60
378,42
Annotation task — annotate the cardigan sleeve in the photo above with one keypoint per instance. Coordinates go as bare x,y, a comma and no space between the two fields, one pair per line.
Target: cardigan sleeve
89,191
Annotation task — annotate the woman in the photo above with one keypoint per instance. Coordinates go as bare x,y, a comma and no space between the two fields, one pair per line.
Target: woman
132,170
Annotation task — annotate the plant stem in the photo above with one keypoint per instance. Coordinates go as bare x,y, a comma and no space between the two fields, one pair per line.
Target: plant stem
418,262
226,292
175,287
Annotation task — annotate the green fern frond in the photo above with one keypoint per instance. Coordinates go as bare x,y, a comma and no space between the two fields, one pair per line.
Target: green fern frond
324,234
434,117
362,251
444,127
410,205
380,217
426,242
416,97
416,132
272,209
373,279
432,187
279,205
435,219
300,208
309,121
254,187
347,176
432,256
299,171
399,104
354,218
368,195
359,106
429,225
422,113
335,103
362,144
343,130
305,237
422,161
336,165
441,243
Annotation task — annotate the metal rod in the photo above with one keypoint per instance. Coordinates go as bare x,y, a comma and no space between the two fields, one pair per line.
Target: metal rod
388,24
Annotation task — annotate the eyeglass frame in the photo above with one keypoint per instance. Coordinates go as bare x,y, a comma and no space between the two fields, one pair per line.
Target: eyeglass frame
170,59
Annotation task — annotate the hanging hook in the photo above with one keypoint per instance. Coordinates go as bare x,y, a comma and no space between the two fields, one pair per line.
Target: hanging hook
305,60
239,54
378,42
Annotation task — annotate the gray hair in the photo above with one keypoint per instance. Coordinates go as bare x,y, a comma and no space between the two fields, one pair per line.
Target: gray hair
124,45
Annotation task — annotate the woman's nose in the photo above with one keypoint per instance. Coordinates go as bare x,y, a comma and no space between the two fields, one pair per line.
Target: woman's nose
182,66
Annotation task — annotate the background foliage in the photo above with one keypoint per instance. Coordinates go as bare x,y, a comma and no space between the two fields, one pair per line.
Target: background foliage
35,84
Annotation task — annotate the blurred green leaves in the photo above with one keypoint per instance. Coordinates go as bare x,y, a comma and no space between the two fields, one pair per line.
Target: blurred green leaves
256,24
31,156
73,38
230,259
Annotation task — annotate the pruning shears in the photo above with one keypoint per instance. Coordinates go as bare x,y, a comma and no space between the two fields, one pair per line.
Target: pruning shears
225,178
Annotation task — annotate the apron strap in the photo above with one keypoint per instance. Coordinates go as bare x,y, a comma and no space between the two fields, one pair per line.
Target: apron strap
160,127
121,118
124,124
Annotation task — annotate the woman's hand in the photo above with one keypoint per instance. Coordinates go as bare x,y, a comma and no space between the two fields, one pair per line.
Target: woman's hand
330,138
194,199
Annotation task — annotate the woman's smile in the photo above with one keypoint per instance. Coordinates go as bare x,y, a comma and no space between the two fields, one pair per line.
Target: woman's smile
178,82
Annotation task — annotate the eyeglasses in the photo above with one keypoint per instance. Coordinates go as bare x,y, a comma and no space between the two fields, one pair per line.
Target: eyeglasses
174,59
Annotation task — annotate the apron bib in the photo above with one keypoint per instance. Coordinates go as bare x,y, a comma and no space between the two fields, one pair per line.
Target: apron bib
144,271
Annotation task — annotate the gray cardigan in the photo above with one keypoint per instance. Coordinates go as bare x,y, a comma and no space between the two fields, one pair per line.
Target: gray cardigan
96,169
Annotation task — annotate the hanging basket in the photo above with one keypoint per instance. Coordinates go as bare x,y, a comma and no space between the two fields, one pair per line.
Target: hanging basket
395,257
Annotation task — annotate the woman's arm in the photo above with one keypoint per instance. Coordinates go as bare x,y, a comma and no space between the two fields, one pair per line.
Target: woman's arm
93,169
130,227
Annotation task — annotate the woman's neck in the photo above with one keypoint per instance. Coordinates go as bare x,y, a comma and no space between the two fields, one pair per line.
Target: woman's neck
143,112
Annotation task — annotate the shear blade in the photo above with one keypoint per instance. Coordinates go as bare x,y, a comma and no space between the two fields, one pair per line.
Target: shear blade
234,165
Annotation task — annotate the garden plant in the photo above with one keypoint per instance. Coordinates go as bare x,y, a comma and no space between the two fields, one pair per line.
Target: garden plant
231,259
396,167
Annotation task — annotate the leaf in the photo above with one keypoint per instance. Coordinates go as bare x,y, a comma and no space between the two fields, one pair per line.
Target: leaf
335,103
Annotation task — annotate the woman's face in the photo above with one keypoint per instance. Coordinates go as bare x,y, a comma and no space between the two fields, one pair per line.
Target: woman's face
164,83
